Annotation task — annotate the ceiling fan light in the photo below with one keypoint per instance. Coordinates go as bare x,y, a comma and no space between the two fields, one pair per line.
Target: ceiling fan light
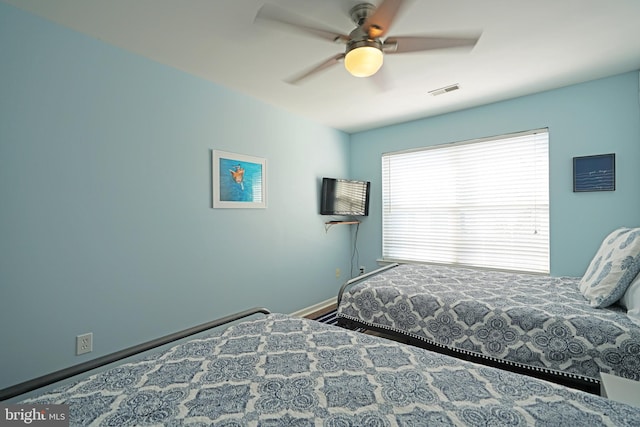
363,61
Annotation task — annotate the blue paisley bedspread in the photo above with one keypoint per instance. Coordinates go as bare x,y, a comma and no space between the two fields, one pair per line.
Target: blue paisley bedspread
284,371
524,319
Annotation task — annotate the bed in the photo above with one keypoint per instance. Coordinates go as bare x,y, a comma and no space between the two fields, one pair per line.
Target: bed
567,329
536,324
278,370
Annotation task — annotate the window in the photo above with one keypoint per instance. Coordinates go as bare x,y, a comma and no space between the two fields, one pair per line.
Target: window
482,203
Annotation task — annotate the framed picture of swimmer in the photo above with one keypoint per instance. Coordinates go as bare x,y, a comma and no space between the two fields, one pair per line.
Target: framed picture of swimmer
594,173
238,181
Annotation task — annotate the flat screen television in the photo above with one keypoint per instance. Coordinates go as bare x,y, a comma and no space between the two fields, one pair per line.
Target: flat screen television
344,197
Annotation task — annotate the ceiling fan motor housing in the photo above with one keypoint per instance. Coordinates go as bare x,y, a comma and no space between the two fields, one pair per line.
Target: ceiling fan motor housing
355,44
360,37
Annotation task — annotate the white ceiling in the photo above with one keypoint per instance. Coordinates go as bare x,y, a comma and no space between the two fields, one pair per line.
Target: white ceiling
526,47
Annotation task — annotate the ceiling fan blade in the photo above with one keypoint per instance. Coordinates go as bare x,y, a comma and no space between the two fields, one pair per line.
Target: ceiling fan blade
316,69
380,21
274,14
418,43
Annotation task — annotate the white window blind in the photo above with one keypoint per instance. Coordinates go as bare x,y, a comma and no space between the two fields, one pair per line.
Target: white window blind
481,203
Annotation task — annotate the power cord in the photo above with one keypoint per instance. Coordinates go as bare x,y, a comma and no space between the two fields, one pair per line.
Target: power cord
355,253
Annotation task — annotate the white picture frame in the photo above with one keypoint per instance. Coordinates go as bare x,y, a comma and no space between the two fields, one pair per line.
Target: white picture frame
238,181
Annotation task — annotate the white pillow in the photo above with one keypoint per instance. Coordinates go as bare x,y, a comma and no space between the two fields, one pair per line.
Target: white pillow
615,265
631,300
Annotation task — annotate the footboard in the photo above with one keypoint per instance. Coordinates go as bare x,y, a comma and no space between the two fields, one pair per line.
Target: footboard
363,277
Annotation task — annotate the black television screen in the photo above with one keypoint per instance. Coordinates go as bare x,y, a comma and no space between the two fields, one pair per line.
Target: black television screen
344,197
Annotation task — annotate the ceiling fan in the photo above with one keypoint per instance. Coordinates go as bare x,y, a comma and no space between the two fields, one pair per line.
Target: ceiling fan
365,46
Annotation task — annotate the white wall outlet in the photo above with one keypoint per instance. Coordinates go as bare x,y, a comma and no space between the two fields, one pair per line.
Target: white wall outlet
362,269
84,343
337,273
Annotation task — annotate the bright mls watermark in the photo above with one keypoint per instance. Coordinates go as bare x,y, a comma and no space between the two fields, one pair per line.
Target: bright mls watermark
34,415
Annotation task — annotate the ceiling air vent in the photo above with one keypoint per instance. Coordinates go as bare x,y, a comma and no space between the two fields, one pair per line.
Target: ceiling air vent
445,89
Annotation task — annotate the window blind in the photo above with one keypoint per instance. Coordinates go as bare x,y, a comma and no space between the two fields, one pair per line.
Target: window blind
481,203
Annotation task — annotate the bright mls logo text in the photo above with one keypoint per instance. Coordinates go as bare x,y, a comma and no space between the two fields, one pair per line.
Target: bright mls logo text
38,415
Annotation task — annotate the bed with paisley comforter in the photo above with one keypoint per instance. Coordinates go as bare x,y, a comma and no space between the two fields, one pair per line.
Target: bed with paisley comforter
536,323
278,370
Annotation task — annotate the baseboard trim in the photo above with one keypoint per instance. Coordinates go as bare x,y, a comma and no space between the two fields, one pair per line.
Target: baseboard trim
314,308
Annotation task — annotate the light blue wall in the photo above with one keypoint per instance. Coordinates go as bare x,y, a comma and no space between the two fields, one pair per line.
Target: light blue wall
105,217
597,117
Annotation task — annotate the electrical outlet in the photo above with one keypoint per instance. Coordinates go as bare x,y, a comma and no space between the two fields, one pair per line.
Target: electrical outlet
337,273
362,269
84,343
